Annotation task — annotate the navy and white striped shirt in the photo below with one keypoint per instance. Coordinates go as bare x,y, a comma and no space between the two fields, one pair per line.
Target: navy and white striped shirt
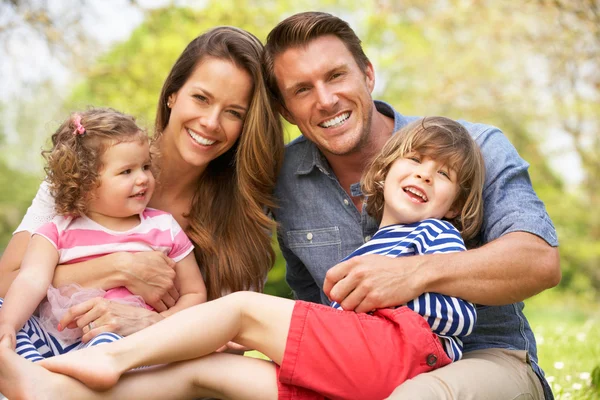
449,317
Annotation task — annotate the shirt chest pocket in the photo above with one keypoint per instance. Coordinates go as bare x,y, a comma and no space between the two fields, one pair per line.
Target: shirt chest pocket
319,249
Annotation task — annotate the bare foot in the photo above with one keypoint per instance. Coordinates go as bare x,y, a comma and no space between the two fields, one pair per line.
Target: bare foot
92,366
21,379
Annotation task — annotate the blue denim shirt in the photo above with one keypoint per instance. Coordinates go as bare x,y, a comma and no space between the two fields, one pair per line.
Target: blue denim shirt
319,225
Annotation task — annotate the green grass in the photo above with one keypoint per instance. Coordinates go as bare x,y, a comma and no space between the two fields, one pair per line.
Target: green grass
567,329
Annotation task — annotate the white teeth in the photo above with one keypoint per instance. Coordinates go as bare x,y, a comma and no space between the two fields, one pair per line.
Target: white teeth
200,139
335,121
416,193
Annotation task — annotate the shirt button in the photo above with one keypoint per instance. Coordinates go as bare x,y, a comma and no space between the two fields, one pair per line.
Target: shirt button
346,202
367,238
309,235
431,360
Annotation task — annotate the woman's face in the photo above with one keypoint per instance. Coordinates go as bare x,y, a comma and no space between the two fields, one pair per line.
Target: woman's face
208,112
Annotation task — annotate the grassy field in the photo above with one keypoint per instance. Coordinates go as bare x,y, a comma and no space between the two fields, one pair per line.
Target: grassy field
567,329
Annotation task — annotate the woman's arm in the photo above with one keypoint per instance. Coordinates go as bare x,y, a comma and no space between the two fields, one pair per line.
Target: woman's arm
190,284
149,274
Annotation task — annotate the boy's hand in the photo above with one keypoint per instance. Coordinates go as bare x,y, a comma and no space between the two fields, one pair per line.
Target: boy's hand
8,337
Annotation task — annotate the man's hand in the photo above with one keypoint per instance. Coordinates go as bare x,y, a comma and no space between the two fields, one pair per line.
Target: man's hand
107,316
369,282
151,274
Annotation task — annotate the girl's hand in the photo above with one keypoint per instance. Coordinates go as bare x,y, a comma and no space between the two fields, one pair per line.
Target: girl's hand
8,337
107,316
150,274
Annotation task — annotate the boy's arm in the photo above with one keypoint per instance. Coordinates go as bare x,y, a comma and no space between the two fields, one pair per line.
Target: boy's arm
31,284
190,284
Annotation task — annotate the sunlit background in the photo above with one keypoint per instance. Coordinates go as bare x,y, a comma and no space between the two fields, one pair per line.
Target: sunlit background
531,68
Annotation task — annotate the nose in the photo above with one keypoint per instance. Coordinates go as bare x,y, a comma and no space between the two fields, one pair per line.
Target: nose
141,178
210,120
326,98
424,173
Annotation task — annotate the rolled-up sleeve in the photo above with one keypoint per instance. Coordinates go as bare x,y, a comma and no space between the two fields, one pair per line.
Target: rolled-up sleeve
510,203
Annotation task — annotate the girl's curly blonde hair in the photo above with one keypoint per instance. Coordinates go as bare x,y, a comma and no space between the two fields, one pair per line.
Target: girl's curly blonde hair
74,162
444,140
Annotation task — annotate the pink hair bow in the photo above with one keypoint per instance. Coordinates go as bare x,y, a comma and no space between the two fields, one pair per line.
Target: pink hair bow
79,129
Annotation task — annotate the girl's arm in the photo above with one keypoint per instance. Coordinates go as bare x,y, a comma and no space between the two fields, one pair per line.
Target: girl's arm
31,284
189,283
10,263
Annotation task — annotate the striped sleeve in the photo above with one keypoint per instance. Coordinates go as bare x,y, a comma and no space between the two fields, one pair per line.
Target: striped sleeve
449,317
182,245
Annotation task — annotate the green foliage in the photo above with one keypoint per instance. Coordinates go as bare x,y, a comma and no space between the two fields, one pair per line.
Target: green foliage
18,189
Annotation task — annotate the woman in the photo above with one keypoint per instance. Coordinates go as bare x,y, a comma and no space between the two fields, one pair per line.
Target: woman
218,146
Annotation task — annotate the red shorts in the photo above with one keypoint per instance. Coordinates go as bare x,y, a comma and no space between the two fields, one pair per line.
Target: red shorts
335,354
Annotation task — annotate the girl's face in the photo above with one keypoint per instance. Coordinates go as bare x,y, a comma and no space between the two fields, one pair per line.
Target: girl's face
208,112
418,187
126,183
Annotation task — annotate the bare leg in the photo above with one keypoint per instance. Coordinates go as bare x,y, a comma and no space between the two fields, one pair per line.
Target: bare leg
254,320
224,376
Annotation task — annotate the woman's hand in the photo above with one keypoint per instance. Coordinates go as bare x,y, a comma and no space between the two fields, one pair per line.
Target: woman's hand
150,274
107,316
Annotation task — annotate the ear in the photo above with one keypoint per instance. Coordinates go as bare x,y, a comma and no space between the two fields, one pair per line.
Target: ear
171,99
370,77
286,114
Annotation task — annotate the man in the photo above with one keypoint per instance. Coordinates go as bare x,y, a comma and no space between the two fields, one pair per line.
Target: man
323,82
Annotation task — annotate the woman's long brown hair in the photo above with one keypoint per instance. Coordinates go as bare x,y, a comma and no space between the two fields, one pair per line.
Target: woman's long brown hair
228,219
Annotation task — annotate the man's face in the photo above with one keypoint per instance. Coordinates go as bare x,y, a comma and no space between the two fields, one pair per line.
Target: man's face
326,94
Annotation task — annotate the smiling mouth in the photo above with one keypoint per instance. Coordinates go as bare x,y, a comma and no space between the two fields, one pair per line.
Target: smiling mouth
416,194
138,195
199,139
336,121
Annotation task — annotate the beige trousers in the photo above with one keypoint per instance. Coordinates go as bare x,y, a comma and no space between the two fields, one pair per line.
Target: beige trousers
490,374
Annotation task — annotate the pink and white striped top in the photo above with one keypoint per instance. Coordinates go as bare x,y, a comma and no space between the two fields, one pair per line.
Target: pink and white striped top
80,239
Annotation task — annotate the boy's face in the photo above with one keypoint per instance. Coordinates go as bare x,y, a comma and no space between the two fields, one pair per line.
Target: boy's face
326,94
126,182
418,187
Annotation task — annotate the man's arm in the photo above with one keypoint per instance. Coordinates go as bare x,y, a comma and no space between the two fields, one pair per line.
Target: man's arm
507,270
298,277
